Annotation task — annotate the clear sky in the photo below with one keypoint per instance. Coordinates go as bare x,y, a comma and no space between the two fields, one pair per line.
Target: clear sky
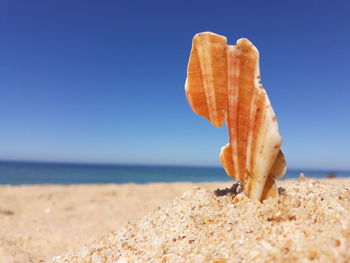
103,81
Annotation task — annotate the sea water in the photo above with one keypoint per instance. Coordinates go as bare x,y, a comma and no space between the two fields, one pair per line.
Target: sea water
15,173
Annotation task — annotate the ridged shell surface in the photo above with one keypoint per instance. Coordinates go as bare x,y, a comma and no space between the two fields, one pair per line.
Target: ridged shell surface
223,84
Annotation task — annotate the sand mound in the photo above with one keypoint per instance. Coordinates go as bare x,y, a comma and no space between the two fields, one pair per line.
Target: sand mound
309,222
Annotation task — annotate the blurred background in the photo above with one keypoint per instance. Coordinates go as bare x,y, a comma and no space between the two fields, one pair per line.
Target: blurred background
93,91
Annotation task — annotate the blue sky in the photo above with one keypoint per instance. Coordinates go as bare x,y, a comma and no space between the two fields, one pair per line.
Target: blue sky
103,81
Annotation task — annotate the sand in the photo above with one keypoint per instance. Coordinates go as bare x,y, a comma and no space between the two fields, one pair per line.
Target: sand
40,221
90,221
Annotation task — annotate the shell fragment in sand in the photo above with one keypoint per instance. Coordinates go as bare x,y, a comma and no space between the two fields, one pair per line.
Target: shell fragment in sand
223,85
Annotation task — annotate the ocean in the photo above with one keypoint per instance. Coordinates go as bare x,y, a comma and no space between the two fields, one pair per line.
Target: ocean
17,173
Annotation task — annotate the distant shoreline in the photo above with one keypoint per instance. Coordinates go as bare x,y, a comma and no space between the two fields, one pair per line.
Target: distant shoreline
28,173
109,164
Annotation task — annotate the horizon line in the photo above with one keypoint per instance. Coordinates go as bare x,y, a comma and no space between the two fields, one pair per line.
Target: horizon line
145,164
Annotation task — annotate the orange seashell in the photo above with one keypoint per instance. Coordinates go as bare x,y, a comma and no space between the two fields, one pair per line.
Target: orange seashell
223,84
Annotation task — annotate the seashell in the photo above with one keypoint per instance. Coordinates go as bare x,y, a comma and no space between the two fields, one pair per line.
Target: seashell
223,85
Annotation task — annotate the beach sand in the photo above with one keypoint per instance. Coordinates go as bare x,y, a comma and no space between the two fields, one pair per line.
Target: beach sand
39,222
